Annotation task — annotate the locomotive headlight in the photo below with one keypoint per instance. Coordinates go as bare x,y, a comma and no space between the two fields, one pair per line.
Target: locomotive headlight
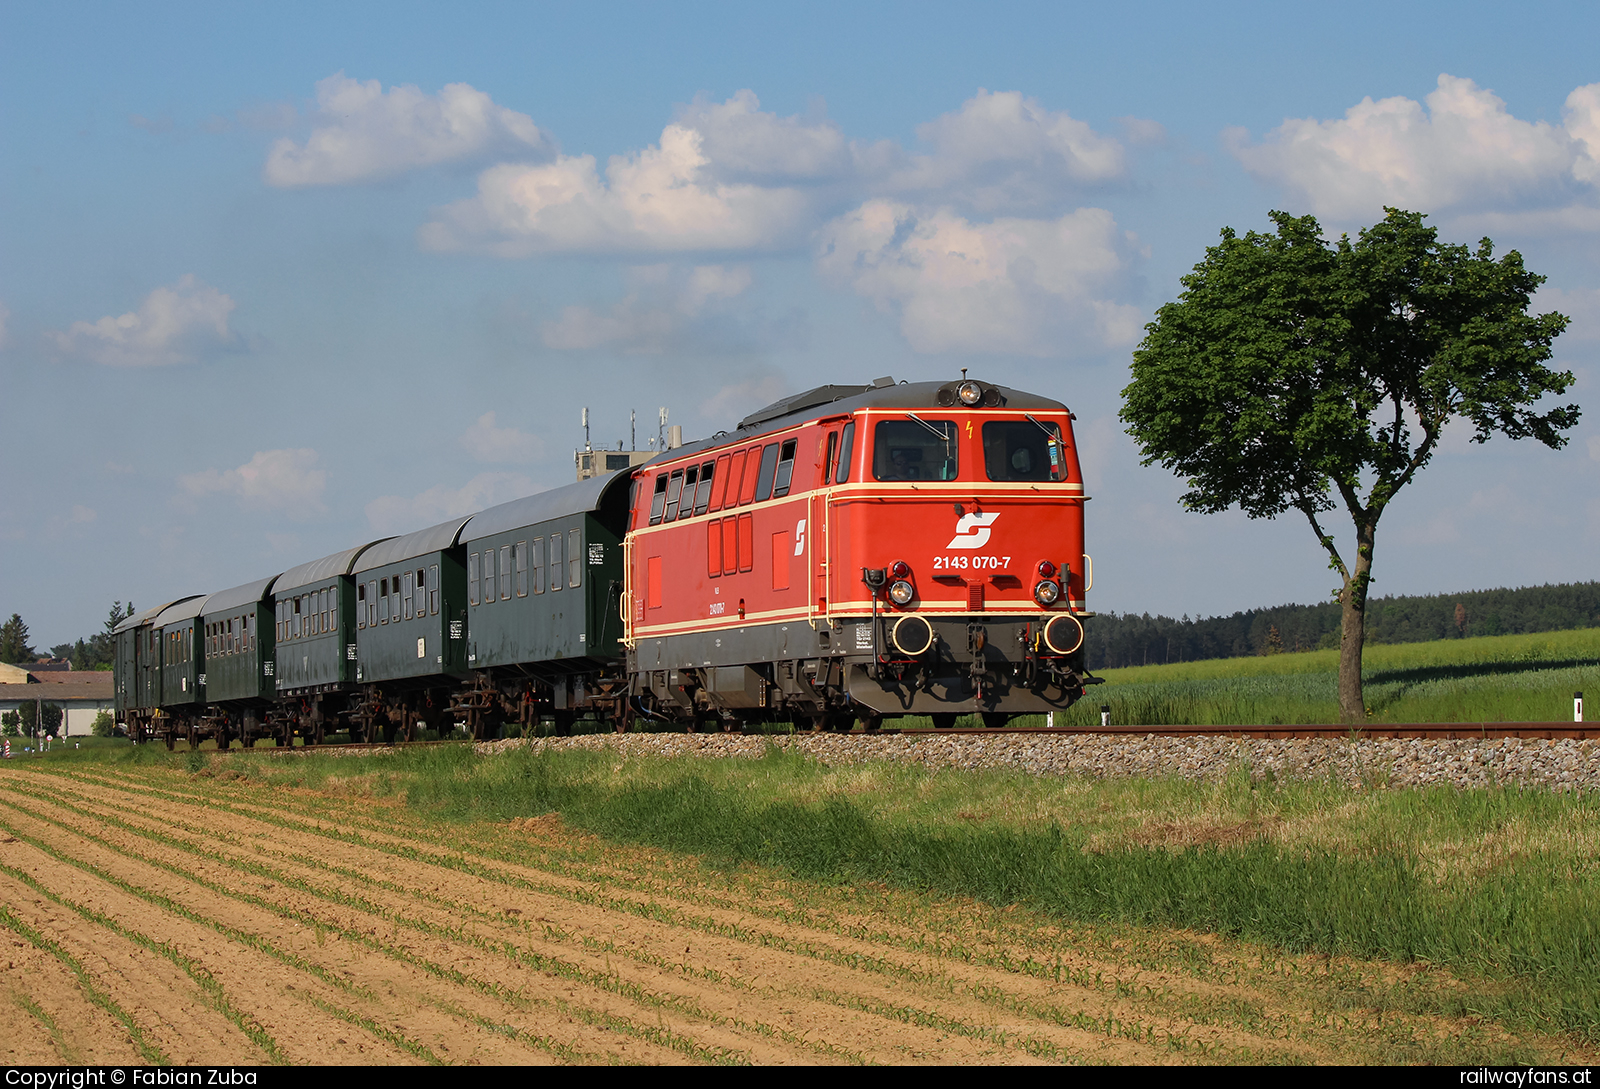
970,393
1046,592
902,592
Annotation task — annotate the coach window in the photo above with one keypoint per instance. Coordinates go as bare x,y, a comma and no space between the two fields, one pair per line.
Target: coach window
394,594
769,468
538,563
383,601
703,498
1023,450
847,448
372,604
472,579
505,572
785,469
915,449
488,576
325,607
674,487
406,594
294,621
555,561
361,605
249,632
520,555
433,589
658,500
574,557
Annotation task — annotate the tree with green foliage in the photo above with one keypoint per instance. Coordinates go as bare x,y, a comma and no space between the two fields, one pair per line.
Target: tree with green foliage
11,724
14,646
1291,373
104,725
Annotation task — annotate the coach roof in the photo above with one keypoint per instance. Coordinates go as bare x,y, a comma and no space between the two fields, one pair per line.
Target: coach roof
579,498
150,614
340,563
250,593
187,609
421,543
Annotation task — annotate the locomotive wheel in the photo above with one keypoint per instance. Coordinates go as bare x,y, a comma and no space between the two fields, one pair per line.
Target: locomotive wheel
943,720
995,719
872,723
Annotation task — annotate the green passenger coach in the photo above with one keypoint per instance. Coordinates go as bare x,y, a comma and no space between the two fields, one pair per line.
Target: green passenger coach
314,618
240,648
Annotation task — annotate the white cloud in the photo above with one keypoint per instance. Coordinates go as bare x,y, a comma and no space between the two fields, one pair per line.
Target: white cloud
1463,149
175,324
1037,287
401,514
486,442
1001,151
740,139
663,199
653,316
372,133
278,480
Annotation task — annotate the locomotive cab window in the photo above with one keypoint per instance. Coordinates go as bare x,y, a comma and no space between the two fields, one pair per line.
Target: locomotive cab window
658,500
915,449
785,469
674,489
847,447
703,497
1023,450
769,469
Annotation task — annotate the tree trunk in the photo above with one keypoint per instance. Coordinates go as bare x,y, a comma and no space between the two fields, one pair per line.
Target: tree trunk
1353,629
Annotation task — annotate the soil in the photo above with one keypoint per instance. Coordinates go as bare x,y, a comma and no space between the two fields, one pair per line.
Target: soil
151,915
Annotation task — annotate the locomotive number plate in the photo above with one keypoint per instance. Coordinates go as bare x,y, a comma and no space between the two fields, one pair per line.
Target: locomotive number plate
972,563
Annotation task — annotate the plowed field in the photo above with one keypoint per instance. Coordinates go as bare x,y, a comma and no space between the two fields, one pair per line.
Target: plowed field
151,915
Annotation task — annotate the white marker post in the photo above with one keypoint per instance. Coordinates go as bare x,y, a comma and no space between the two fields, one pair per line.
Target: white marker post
1105,714
1577,707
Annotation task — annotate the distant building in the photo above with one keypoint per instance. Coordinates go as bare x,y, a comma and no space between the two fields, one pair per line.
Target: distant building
81,694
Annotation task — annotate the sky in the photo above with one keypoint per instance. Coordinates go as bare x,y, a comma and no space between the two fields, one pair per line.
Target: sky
279,280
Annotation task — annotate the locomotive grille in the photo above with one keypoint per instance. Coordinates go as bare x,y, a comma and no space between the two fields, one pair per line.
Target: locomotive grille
974,596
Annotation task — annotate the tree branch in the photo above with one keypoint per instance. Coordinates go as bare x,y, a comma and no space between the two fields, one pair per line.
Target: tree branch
1337,563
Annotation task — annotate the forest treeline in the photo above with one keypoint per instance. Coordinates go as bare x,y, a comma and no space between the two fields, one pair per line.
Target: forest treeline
1131,639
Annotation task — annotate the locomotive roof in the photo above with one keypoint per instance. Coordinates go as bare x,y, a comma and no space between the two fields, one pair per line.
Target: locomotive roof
150,614
340,563
421,543
187,609
579,498
838,400
250,593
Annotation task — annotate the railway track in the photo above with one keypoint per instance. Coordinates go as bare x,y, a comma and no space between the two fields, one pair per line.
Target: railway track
1429,731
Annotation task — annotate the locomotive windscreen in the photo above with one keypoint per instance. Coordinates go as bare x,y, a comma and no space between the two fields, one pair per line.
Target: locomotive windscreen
915,449
1023,450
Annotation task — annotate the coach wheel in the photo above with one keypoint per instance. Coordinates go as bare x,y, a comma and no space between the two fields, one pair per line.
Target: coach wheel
995,719
563,722
911,635
172,741
222,739
1063,634
194,738
943,720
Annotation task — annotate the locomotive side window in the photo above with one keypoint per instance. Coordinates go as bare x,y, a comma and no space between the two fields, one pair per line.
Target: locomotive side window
714,546
703,497
769,468
521,555
658,500
751,475
505,572
847,447
915,449
472,579
538,562
555,561
674,488
785,469
574,557
730,546
719,490
1023,450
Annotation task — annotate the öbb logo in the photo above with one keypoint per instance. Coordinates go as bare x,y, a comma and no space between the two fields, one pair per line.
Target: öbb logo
972,531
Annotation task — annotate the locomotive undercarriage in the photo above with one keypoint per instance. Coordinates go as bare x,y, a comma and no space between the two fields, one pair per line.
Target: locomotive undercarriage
856,671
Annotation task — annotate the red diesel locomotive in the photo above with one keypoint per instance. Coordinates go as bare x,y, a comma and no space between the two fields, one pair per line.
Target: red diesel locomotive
847,555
